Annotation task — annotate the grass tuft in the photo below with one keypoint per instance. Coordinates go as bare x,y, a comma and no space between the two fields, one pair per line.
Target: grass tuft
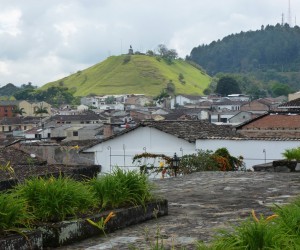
122,188
54,199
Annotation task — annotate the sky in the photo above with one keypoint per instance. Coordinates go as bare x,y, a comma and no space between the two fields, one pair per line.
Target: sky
45,40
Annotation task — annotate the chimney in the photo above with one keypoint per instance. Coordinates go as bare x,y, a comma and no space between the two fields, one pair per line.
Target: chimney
107,130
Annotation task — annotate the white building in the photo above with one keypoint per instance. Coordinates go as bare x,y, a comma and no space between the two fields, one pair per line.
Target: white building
183,137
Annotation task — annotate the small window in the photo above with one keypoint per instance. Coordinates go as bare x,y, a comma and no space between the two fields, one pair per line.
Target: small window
75,133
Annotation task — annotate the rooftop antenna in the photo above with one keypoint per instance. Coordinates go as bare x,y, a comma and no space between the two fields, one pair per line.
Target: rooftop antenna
289,14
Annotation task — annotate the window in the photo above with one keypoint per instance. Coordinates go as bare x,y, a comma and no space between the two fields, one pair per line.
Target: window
9,128
25,127
75,133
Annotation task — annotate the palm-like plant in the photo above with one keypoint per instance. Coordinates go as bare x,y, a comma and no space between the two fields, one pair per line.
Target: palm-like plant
41,110
18,111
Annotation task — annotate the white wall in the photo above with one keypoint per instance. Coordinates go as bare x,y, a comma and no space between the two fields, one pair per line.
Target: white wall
135,142
251,150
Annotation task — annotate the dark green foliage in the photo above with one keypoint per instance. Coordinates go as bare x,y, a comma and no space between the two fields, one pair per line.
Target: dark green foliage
54,95
167,54
8,90
13,212
110,100
210,161
279,89
170,88
54,199
202,161
227,85
18,111
278,231
122,188
161,97
181,78
40,111
274,47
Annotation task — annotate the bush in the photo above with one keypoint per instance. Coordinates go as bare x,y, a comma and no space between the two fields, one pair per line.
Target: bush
292,154
210,161
54,199
278,231
13,213
122,188
202,161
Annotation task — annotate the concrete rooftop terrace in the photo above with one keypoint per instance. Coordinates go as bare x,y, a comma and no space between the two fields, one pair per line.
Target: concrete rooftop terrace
199,204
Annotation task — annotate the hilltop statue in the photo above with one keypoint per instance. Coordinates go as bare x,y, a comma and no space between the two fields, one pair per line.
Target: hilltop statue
130,51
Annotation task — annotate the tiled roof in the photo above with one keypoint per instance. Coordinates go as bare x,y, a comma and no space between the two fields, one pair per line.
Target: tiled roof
274,121
80,143
9,103
83,117
191,130
294,104
19,120
187,130
17,157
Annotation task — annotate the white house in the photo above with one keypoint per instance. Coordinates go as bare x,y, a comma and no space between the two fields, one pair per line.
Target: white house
184,137
159,137
254,151
185,99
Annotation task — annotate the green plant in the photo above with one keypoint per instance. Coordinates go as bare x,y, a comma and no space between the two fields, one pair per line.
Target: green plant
292,154
226,161
253,234
278,231
54,199
8,169
122,188
13,213
201,161
102,223
289,221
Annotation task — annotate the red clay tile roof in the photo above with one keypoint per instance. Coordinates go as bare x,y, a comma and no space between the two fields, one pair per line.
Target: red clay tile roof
273,121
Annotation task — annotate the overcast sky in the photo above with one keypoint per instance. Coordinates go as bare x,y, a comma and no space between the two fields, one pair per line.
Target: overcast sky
45,40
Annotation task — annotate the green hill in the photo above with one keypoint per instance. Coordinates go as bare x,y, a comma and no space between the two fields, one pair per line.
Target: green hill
270,48
135,74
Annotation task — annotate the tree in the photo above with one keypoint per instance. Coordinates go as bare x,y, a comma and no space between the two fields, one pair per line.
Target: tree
41,110
279,89
150,53
161,97
227,85
110,100
181,78
166,54
162,50
170,88
18,111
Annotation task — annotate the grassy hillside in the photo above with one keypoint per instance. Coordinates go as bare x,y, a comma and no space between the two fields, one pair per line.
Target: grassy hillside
140,75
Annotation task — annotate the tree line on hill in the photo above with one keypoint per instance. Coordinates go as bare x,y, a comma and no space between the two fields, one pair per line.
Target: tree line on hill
264,62
55,95
272,47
